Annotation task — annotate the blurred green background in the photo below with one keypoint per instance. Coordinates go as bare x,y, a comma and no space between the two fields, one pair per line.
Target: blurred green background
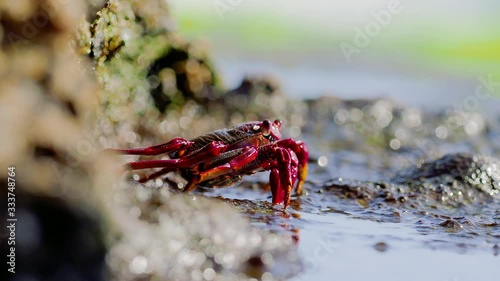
436,37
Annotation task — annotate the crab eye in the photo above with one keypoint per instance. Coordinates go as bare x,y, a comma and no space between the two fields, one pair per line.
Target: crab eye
266,128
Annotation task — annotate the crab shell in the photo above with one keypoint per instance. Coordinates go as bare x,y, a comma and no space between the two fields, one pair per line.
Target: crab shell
256,133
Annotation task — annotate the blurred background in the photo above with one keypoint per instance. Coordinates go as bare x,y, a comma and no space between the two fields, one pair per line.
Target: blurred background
420,52
397,101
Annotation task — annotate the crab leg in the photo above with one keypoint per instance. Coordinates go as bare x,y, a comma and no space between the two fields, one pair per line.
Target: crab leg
276,190
173,145
210,150
248,154
283,175
156,174
302,152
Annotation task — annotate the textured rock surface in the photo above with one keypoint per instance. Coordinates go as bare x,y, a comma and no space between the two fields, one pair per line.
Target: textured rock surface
457,177
48,97
59,110
48,103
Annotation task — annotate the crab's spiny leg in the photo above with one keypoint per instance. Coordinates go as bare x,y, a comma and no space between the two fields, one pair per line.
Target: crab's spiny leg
156,174
173,145
247,155
276,190
210,150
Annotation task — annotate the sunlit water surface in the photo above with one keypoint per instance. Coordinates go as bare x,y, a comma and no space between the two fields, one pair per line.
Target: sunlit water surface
341,245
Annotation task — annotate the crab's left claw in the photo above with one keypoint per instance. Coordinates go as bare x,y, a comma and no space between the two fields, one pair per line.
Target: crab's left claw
283,176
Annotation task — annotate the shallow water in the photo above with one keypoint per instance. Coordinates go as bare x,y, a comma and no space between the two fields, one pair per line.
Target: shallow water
353,239
353,255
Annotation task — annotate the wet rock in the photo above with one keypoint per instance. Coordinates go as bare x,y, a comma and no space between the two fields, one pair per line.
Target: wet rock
451,181
456,177
57,240
381,247
155,85
179,237
256,95
181,75
361,192
451,224
372,126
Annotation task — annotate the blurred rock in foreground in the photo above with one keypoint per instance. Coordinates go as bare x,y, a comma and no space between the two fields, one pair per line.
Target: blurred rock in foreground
59,110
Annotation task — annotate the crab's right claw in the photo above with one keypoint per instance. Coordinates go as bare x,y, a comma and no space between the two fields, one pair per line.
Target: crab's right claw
303,156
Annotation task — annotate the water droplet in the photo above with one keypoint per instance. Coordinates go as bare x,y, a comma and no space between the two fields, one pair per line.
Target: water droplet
356,115
341,116
130,137
138,265
158,182
267,259
472,128
441,132
209,274
322,161
267,276
185,122
395,144
153,81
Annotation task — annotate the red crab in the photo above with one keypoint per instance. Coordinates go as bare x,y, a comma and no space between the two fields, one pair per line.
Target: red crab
221,158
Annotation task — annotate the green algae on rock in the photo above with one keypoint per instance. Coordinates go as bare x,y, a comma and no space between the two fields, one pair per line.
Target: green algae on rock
141,63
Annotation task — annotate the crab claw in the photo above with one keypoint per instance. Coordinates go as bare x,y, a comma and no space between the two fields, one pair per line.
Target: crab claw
283,176
301,153
303,157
